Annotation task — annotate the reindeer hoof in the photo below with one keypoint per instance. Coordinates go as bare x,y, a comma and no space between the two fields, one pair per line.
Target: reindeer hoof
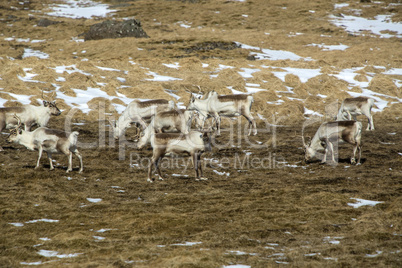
150,180
353,161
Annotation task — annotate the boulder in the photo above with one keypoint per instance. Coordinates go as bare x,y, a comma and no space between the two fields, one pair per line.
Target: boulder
115,29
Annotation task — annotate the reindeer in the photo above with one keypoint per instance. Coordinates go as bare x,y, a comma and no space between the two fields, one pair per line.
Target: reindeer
48,140
139,112
194,144
351,107
335,132
215,106
168,121
28,114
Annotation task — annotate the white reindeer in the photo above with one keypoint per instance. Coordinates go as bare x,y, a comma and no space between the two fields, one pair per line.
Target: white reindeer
139,112
335,132
28,114
168,121
215,106
193,144
48,140
351,107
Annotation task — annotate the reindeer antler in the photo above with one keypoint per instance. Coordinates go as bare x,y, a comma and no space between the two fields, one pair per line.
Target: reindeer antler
199,90
18,120
112,124
137,135
53,97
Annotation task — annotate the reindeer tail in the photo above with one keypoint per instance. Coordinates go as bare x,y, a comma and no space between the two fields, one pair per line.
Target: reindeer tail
73,137
372,104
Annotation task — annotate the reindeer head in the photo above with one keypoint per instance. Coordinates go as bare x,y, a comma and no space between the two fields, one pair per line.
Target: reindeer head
16,131
119,127
309,153
51,104
52,107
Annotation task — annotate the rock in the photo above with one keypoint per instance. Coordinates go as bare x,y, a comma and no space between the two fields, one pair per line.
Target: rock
115,29
46,22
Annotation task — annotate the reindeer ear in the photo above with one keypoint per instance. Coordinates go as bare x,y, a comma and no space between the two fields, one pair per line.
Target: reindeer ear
45,103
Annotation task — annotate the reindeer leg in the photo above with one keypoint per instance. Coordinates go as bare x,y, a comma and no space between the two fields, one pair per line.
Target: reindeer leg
78,154
218,124
251,124
70,162
155,157
49,156
142,122
157,166
200,168
254,126
353,158
331,148
40,149
360,153
195,163
371,122
349,115
324,159
2,126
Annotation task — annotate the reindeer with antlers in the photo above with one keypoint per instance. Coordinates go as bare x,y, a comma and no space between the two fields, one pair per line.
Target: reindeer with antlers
215,106
334,132
48,140
139,112
29,115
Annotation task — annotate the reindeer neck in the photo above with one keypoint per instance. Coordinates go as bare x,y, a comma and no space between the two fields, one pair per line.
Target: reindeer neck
26,139
316,142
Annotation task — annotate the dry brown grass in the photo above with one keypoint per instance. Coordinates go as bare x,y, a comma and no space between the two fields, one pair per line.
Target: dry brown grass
273,214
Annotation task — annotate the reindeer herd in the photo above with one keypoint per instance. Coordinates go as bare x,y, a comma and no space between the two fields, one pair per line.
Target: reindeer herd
169,129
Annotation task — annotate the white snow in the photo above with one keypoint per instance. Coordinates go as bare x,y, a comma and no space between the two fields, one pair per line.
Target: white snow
377,26
330,47
303,74
222,173
378,253
160,78
94,200
42,220
187,244
31,263
80,9
270,54
237,265
175,65
29,52
52,253
363,202
16,224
